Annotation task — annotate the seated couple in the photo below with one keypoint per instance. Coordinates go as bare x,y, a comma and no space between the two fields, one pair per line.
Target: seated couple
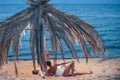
58,71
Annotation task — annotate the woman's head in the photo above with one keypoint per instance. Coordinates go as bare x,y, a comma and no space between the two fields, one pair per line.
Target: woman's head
48,63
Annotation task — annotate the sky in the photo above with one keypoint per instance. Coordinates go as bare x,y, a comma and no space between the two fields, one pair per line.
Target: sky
66,1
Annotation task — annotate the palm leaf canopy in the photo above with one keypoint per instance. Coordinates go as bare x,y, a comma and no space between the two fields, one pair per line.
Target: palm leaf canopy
41,16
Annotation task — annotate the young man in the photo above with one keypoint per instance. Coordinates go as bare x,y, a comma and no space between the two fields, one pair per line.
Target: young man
48,54
57,70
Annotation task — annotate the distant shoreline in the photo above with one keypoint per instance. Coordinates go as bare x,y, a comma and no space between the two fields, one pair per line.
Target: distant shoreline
71,58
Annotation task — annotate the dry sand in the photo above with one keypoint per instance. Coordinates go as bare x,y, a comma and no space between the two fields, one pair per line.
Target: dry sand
103,69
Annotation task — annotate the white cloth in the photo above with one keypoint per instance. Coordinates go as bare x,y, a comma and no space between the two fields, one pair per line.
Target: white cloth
41,73
59,71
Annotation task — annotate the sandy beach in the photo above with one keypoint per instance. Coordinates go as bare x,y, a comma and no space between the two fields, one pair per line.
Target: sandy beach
103,69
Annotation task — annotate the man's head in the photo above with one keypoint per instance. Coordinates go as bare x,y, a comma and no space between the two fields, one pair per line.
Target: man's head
48,63
49,50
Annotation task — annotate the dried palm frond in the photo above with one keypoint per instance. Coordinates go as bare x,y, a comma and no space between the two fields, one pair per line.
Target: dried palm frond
61,26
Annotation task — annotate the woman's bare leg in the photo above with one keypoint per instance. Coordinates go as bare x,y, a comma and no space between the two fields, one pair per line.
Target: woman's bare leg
68,68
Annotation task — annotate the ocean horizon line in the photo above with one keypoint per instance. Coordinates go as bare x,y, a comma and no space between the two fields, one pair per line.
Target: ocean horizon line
62,3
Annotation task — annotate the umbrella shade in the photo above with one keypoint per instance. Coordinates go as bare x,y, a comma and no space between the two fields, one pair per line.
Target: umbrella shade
61,26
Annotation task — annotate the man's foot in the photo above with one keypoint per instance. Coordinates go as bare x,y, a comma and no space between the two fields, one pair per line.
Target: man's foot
91,72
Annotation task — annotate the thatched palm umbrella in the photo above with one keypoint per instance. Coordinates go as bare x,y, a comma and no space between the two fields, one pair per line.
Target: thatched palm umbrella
62,26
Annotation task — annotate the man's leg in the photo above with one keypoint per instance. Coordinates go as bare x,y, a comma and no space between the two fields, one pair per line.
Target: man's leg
68,69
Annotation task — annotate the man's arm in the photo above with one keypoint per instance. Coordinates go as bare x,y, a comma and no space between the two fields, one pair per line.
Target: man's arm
48,73
64,63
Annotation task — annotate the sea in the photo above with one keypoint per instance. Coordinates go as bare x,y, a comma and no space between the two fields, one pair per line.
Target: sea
104,17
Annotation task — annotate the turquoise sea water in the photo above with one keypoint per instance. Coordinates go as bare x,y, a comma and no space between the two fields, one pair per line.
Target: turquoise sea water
105,18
